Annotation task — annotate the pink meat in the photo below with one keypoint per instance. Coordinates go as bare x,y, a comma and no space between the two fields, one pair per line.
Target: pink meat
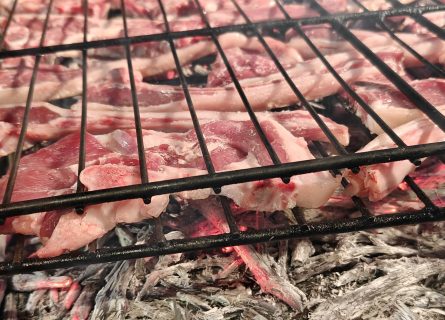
25,30
328,42
56,82
264,93
48,172
112,161
379,180
47,122
251,62
96,8
256,10
334,6
394,107
232,145
141,8
437,17
52,81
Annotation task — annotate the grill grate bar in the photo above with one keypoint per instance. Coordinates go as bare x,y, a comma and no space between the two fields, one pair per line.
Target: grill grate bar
134,98
83,120
217,30
233,227
223,240
220,179
358,203
419,193
191,107
18,249
8,22
246,103
422,20
423,104
18,152
338,147
438,72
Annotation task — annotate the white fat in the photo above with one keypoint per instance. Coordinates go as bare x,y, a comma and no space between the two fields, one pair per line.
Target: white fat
159,138
393,116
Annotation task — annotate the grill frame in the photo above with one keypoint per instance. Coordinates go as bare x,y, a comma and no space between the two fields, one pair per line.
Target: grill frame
216,180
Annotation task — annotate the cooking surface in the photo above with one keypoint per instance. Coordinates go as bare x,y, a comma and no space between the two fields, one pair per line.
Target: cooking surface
59,73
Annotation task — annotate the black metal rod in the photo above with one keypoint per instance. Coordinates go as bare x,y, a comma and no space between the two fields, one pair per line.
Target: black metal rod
83,120
438,72
272,154
8,22
419,192
219,179
359,204
19,148
233,227
424,105
218,30
429,25
223,240
137,115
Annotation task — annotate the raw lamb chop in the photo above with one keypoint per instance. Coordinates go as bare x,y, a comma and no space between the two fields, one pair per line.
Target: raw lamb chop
392,106
378,180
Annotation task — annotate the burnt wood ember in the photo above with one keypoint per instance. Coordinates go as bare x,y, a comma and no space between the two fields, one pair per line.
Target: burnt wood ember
399,280
267,272
24,282
362,274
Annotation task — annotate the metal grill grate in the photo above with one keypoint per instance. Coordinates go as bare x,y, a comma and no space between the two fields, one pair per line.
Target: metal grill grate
214,180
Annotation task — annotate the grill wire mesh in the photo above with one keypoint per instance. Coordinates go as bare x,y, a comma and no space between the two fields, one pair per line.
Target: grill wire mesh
214,180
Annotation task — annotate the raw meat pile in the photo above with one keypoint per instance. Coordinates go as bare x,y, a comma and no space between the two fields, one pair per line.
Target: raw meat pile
170,143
